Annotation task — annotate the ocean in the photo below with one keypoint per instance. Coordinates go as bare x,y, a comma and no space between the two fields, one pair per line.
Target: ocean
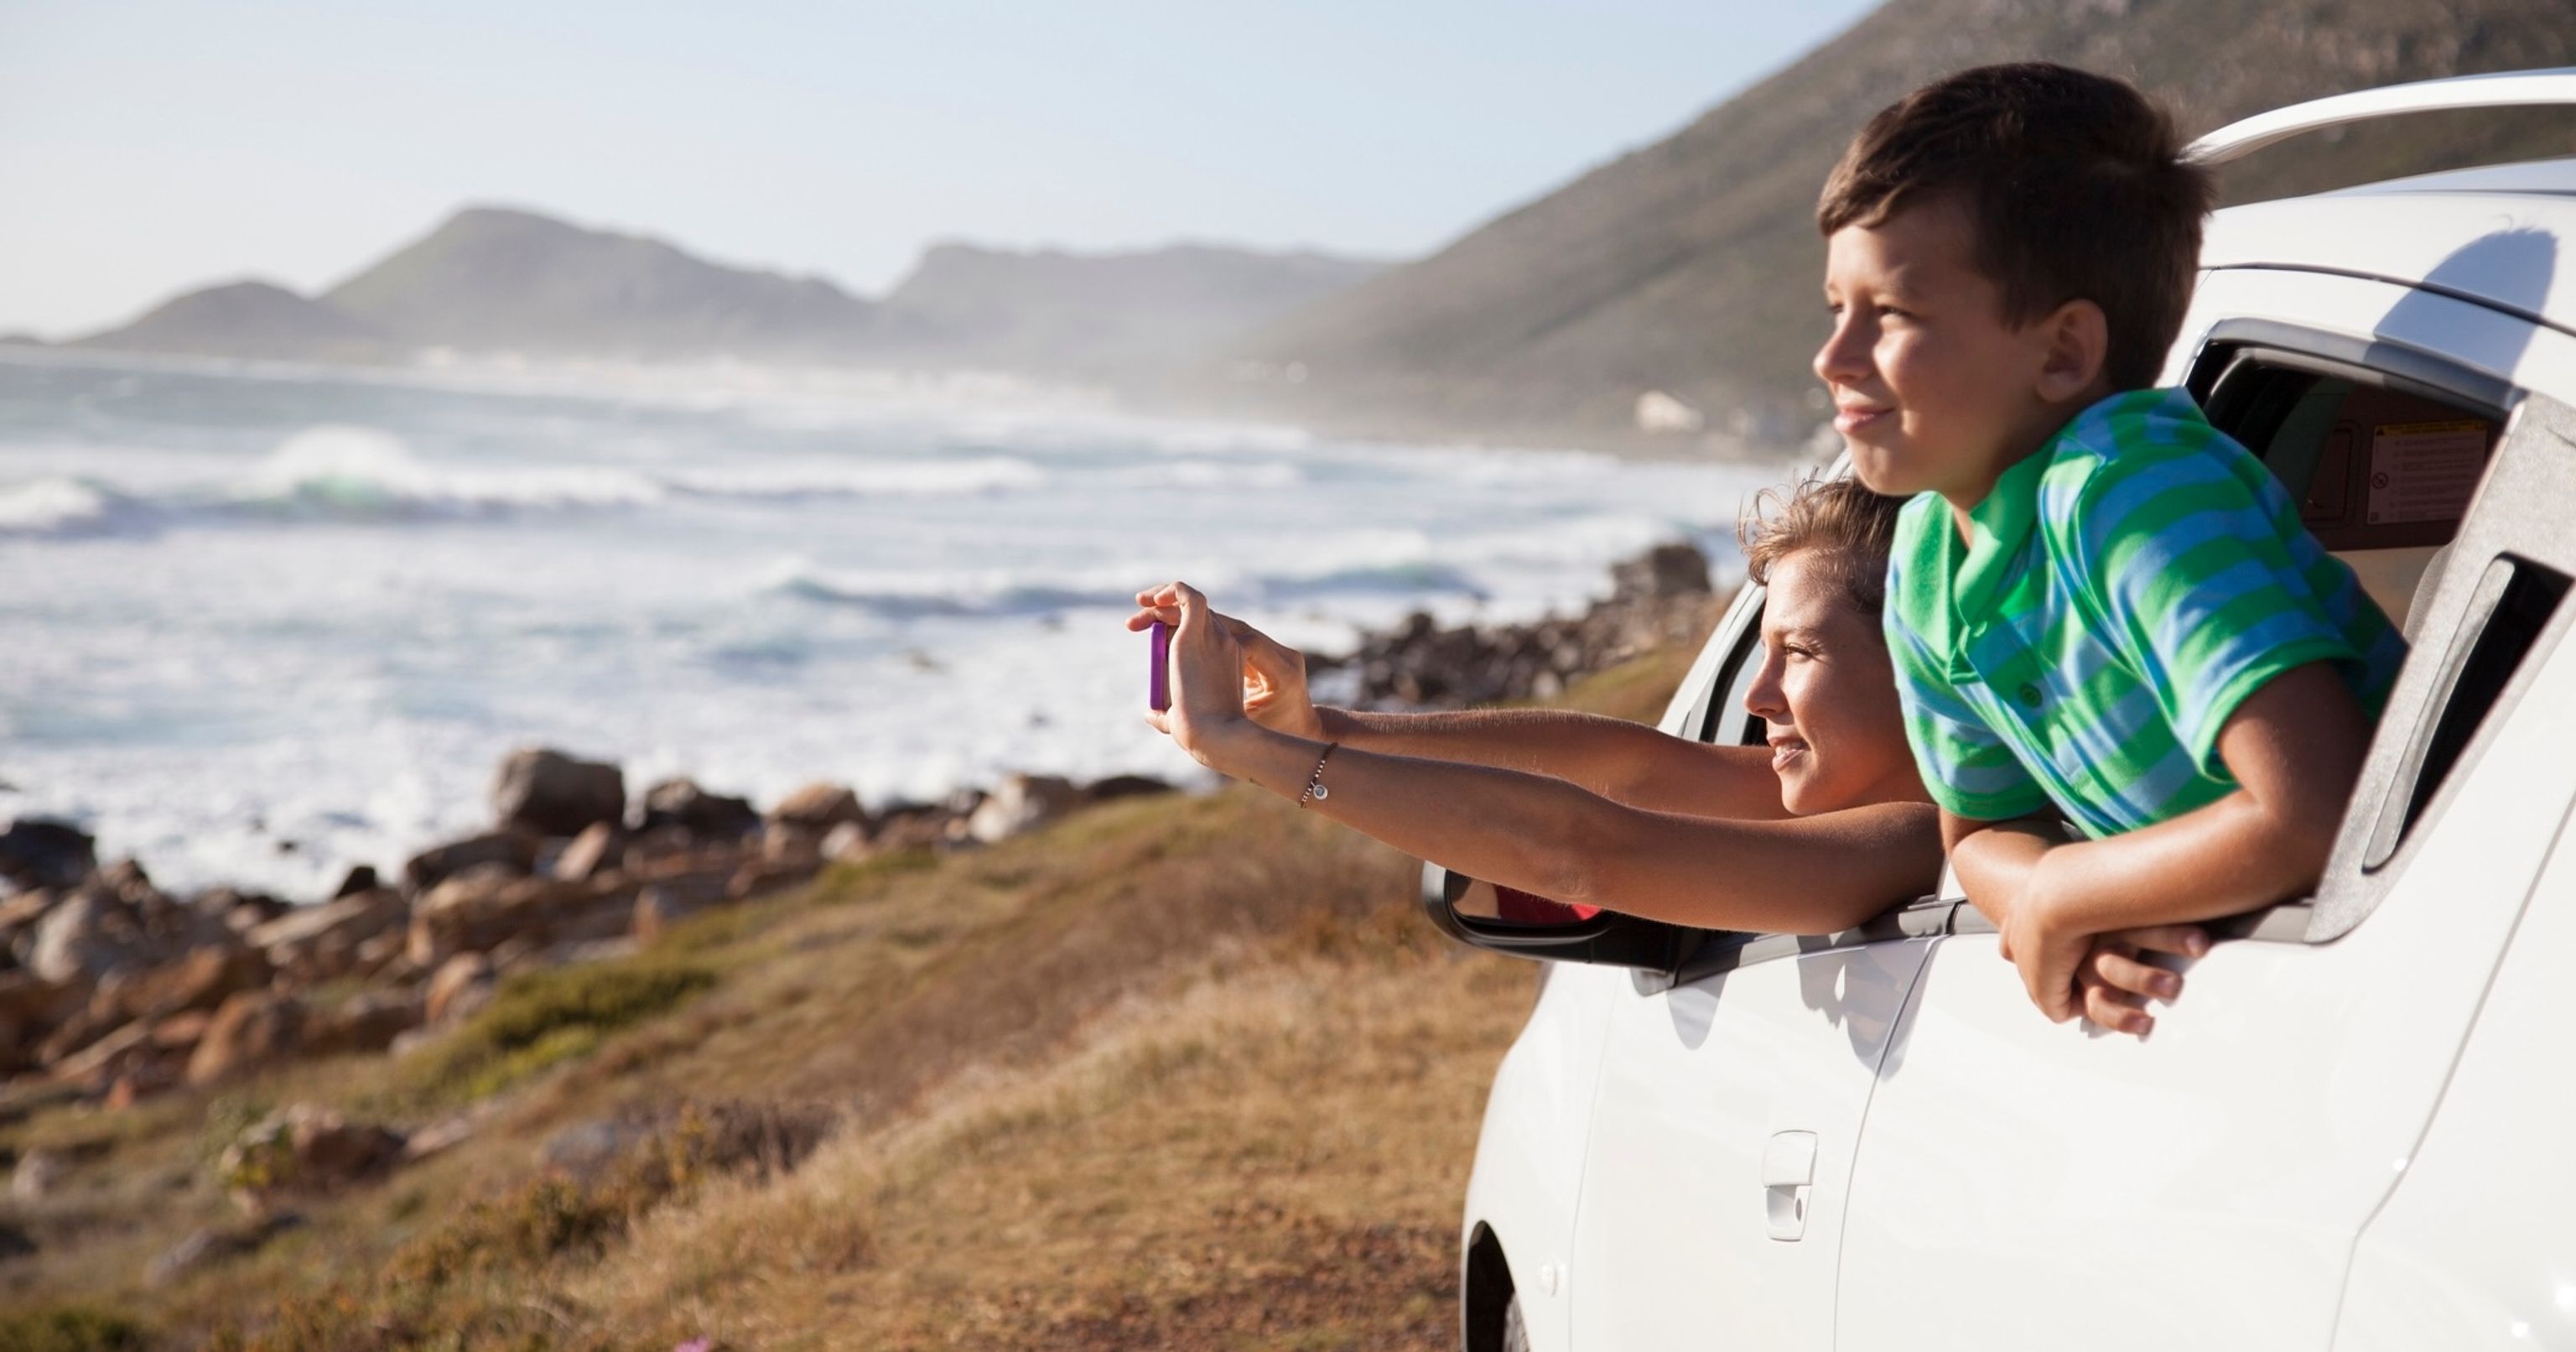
265,622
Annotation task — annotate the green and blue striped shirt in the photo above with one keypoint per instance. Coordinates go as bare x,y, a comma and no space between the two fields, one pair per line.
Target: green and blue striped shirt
2124,589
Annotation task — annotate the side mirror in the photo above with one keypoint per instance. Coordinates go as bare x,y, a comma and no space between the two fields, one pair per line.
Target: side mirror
1506,920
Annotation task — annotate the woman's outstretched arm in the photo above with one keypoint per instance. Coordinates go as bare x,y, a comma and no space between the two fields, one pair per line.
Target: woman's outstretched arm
1615,758
1555,839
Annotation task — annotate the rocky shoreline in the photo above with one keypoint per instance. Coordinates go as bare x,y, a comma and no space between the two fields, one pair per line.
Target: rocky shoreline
112,990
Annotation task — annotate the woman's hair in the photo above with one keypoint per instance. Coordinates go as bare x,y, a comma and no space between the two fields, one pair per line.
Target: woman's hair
1849,527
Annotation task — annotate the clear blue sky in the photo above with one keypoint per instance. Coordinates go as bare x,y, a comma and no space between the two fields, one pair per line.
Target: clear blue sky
150,147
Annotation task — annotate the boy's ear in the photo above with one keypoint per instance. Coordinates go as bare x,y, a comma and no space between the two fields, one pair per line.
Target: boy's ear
2077,341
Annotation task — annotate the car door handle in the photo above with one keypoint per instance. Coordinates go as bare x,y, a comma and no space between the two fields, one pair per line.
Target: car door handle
1788,1170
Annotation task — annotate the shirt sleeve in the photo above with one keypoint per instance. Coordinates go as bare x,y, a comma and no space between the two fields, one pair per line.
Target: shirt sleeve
2185,559
1967,769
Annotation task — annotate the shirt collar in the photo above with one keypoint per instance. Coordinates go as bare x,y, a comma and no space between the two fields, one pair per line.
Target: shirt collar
2000,526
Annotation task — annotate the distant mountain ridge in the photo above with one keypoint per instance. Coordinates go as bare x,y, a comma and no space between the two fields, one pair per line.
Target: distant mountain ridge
1103,312
496,279
1691,266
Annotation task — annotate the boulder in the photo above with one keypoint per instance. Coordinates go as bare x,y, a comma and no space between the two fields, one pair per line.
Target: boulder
215,1244
240,912
548,793
366,1023
819,807
39,1172
40,852
304,1148
360,878
599,848
847,841
251,1030
200,979
84,937
515,851
708,816
1022,803
1124,786
460,986
318,943
662,904
1665,572
759,877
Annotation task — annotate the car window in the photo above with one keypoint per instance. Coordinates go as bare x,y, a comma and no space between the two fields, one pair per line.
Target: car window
1725,721
2452,514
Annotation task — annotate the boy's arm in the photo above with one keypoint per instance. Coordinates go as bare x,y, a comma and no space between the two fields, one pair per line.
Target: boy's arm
2295,746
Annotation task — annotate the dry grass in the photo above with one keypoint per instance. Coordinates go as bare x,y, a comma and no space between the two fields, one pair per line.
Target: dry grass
1176,1073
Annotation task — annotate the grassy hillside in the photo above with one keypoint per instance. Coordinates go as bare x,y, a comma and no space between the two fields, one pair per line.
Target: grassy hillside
1173,1074
1691,265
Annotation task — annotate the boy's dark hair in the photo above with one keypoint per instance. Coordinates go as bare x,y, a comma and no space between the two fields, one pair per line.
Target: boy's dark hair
2077,184
1850,528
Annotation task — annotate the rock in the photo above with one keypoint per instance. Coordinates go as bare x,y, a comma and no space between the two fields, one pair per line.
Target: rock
911,826
361,878
127,881
707,816
304,1148
819,807
39,1172
212,1245
318,943
847,841
792,845
251,1030
548,793
585,1148
108,1057
600,847
83,937
1022,803
367,1023
461,985
198,980
1663,573
443,1134
40,852
663,903
513,850
759,877
15,1243
1124,786
238,911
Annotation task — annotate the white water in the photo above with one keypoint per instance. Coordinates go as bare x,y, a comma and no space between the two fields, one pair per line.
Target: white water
249,608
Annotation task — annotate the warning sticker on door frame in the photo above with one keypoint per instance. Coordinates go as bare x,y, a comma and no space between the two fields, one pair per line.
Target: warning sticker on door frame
2425,471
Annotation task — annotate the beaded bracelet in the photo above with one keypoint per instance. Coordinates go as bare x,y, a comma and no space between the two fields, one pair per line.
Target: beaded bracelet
1315,790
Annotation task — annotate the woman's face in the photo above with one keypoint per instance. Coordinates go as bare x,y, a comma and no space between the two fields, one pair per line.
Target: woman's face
1828,694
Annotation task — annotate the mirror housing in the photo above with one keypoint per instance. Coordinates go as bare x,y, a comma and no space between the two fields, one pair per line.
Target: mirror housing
1583,934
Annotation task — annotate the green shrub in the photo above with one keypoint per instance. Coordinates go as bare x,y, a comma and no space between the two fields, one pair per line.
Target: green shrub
71,1328
539,1019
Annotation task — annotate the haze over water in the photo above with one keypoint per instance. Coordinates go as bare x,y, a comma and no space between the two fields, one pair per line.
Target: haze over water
266,623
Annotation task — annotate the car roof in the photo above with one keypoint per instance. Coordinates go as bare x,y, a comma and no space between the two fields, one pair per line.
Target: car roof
2500,235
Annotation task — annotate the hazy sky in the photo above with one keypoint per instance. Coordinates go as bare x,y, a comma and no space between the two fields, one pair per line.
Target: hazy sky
150,147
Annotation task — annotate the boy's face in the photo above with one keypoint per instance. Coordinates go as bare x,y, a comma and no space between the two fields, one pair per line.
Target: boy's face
1932,389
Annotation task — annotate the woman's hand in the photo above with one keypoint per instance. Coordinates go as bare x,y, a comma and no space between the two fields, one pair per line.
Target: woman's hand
1274,674
1207,716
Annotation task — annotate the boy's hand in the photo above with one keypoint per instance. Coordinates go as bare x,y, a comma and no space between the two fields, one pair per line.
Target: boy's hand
2117,982
2037,939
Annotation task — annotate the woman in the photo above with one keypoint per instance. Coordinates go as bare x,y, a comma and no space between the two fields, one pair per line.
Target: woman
1827,827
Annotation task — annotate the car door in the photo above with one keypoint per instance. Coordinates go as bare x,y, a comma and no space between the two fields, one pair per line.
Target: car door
1728,1105
2022,1182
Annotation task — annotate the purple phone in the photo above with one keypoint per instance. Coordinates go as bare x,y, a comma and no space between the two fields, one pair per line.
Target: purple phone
1158,684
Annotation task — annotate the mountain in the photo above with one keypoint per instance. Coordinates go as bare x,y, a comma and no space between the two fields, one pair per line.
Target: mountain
491,278
249,319
1102,313
1690,266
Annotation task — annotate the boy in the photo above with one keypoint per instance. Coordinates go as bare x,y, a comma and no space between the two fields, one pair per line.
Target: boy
2101,610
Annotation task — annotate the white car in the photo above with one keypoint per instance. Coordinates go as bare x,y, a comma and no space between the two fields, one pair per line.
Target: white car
2355,1130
